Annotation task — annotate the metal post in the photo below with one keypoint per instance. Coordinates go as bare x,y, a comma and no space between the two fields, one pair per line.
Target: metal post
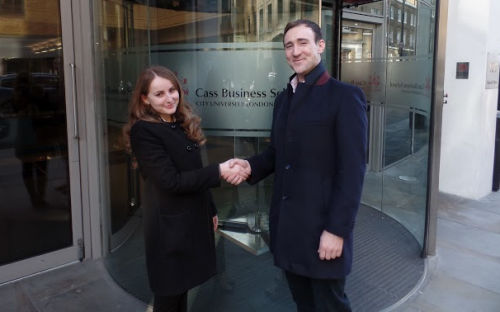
402,42
435,129
337,38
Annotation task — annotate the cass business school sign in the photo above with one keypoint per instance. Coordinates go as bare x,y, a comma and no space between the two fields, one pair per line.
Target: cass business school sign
235,98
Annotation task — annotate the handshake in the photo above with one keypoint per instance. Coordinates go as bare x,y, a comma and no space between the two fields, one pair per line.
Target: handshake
235,170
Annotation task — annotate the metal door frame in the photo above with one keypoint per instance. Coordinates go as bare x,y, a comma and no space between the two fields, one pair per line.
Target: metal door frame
441,29
72,38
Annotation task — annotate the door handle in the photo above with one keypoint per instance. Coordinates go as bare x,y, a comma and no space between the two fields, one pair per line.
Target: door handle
75,112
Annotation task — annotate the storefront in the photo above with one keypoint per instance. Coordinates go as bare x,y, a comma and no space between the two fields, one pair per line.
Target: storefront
73,191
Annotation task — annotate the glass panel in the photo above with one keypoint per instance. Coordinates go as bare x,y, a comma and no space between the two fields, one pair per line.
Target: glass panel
120,56
35,214
400,105
357,40
376,8
359,47
418,102
408,109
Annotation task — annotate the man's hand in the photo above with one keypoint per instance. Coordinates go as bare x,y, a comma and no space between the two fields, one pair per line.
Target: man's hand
242,163
235,171
330,246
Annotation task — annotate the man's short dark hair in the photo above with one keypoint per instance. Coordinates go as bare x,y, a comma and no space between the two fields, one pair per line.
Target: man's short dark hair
314,27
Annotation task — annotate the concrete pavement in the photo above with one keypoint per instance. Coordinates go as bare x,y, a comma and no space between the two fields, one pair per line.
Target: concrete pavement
464,275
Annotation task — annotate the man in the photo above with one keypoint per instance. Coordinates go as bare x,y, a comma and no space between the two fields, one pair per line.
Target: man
317,153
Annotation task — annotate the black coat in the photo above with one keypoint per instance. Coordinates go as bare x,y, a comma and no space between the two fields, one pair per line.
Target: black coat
177,207
317,152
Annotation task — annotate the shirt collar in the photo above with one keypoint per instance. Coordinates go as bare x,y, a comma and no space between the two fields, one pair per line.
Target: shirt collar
294,82
310,78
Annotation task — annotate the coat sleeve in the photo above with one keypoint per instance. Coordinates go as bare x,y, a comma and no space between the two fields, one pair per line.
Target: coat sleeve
351,144
158,167
263,164
213,208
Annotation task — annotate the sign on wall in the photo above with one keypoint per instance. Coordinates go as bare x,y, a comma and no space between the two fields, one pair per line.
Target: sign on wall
231,85
462,70
492,72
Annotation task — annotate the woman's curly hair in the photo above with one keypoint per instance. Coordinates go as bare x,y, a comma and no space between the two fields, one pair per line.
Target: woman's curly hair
138,110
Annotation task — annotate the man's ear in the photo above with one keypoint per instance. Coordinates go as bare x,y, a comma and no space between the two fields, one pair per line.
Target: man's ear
321,46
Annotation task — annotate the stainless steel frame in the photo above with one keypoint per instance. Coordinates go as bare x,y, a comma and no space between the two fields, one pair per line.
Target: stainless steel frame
376,140
90,173
72,37
436,125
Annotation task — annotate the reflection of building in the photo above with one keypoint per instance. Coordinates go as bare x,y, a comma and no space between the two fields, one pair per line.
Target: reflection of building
405,23
212,21
39,44
273,16
402,23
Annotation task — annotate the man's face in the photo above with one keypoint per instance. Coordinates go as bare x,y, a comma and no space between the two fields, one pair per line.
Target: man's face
303,53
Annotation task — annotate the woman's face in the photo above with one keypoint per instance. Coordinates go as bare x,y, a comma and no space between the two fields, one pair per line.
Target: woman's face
163,98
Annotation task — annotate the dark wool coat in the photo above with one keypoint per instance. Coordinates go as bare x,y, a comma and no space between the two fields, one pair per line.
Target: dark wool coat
317,152
177,207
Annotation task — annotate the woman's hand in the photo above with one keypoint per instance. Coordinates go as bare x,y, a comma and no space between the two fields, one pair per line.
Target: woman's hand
233,172
216,222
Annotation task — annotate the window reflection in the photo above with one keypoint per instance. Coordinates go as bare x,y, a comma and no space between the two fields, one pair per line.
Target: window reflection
376,8
400,104
134,34
10,8
357,40
35,209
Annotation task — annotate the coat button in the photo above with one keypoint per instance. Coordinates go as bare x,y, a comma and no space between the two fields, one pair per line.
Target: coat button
196,145
189,148
285,197
173,126
288,167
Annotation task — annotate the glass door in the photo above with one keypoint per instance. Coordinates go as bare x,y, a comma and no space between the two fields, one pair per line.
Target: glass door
381,43
40,205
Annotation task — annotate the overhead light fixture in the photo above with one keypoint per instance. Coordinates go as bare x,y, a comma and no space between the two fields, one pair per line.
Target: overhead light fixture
47,46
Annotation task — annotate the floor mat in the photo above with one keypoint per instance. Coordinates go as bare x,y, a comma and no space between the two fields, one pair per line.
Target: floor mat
387,266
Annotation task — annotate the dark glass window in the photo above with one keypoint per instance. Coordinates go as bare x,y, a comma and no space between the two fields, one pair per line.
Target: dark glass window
11,7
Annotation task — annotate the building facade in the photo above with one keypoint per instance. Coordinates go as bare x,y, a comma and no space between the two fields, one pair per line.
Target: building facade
70,192
470,114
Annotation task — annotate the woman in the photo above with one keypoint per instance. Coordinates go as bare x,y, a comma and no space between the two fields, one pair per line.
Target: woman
179,216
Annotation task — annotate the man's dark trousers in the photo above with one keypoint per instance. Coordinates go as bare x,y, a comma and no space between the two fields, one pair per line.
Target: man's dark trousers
318,295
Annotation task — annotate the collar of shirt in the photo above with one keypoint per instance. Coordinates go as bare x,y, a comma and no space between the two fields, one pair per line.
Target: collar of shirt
294,82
